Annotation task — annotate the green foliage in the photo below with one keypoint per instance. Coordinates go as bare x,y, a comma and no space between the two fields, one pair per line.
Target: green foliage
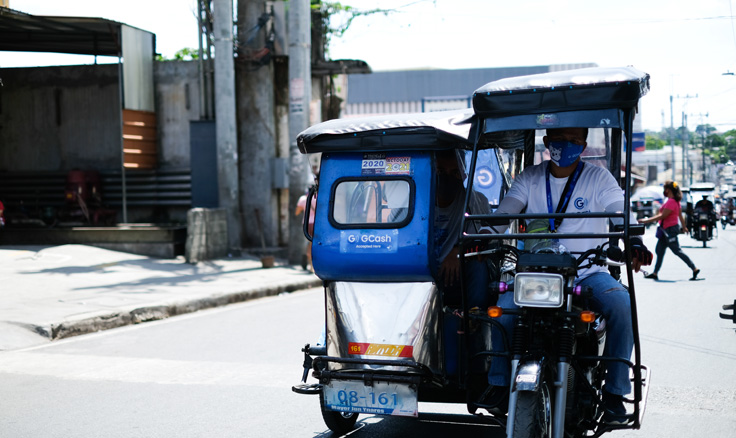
185,54
653,142
336,18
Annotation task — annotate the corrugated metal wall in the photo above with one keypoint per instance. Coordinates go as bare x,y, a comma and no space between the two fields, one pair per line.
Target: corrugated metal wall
138,50
60,118
402,91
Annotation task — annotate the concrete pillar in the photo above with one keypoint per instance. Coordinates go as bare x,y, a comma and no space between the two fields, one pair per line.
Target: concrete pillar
226,134
207,235
257,127
300,92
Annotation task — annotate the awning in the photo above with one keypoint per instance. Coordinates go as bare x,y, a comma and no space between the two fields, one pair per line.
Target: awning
21,32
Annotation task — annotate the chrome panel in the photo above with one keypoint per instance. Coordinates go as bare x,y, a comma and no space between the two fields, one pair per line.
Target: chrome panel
388,314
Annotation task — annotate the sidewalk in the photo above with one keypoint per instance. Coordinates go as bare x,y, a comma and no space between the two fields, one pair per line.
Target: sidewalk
53,292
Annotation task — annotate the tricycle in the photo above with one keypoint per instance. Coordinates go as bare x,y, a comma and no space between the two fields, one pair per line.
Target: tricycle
424,266
728,209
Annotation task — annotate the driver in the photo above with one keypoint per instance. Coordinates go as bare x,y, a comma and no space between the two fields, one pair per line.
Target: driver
706,206
566,184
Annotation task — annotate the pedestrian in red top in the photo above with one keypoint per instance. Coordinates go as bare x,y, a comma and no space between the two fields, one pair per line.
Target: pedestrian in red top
669,215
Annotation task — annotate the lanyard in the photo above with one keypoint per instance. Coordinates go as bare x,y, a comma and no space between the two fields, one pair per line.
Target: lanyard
564,197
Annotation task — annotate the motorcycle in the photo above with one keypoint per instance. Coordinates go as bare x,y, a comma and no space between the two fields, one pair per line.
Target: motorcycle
557,345
393,336
703,223
556,386
645,208
728,212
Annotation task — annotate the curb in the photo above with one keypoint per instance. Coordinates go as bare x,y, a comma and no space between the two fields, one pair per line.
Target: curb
155,313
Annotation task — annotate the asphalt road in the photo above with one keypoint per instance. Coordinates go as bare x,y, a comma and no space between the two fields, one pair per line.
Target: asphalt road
228,372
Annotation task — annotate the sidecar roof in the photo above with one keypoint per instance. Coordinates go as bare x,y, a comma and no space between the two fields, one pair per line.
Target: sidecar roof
568,90
425,131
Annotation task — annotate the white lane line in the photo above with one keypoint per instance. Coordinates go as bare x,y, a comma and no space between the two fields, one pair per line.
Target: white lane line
142,370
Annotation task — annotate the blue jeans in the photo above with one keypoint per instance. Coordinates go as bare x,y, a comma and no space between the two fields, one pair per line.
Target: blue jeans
610,299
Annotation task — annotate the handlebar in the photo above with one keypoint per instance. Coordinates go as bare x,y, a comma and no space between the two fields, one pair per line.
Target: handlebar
611,256
307,212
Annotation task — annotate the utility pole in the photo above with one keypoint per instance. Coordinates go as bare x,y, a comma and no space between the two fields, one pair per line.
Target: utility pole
257,125
225,128
685,140
672,143
685,158
300,93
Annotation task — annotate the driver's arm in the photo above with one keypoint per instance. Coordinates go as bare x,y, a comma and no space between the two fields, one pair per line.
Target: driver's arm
508,205
617,206
641,255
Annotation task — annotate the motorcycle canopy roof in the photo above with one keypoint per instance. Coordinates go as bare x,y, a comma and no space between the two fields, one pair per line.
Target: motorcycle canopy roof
567,90
589,97
425,131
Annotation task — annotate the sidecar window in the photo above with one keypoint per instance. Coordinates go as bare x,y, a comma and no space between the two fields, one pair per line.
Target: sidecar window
374,203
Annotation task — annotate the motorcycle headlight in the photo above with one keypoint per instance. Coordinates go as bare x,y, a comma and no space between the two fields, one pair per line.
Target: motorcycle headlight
538,289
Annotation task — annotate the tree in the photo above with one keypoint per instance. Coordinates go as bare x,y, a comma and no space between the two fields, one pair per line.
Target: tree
185,54
653,141
331,20
335,19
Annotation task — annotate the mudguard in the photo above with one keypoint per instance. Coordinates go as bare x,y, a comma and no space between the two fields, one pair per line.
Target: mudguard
528,376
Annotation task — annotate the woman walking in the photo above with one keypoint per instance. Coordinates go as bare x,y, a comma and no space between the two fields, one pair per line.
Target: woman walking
669,215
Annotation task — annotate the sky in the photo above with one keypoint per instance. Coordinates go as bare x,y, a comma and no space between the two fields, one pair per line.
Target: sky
686,46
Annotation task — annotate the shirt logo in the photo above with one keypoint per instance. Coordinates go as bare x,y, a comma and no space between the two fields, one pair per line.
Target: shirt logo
581,203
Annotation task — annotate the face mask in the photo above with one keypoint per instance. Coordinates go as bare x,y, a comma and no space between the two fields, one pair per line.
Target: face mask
564,153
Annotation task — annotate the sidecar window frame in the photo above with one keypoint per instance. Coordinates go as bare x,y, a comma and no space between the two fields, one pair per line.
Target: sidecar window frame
372,225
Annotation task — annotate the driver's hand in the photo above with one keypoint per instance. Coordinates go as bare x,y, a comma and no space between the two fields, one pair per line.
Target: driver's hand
450,268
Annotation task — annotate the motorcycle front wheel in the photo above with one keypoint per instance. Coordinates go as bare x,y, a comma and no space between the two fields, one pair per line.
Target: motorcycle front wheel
338,422
533,416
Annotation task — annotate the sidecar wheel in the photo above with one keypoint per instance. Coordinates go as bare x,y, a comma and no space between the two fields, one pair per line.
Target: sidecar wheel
533,418
338,422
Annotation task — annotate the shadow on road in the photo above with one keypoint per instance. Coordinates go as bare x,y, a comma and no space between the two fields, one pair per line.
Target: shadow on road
427,425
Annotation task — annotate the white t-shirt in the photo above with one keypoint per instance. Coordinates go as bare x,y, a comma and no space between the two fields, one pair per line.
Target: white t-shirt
595,190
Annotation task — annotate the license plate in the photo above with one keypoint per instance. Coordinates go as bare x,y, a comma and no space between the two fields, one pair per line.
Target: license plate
382,398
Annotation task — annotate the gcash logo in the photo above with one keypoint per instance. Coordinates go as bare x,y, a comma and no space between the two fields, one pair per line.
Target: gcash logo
581,203
369,238
484,176
374,241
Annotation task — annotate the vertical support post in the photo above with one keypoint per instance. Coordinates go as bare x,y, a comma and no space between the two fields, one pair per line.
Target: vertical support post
672,142
122,140
225,128
200,63
300,93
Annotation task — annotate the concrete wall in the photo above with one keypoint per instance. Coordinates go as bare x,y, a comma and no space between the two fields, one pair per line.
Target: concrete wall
60,118
177,103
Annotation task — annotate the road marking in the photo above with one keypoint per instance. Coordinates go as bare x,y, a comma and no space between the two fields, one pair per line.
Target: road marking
141,370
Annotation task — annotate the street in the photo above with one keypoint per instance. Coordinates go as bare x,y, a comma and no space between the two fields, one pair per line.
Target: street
228,372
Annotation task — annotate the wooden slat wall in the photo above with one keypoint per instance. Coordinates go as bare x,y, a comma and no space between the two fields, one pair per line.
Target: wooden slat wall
140,150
